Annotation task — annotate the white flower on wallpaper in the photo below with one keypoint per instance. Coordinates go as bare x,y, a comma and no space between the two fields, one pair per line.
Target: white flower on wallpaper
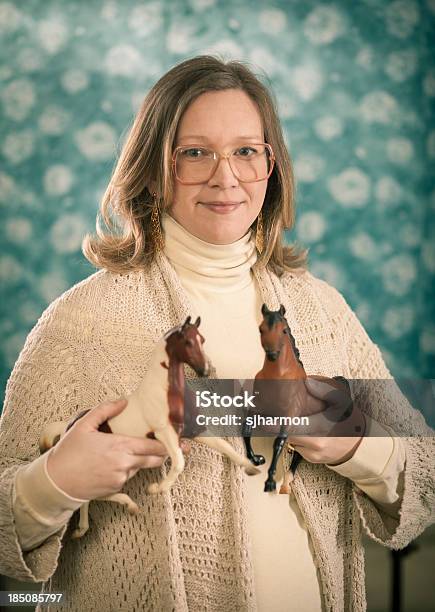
58,180
181,37
7,188
388,190
97,141
74,80
10,269
351,188
145,19
54,120
263,57
18,98
329,272
123,60
272,21
52,34
307,80
18,229
378,107
308,167
328,127
401,18
67,232
51,284
311,226
324,25
401,65
411,234
109,10
399,274
365,58
363,246
400,150
18,146
10,18
398,321
30,59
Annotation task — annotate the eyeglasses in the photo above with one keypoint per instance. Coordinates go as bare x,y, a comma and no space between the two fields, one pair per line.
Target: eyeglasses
194,164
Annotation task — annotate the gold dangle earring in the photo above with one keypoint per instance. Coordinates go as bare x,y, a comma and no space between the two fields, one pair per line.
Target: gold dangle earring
156,229
259,233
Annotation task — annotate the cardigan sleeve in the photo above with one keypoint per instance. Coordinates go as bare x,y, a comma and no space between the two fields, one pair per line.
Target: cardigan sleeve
377,395
376,466
39,391
40,507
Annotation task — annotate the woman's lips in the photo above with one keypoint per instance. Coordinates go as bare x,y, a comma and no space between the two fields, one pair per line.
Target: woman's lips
221,208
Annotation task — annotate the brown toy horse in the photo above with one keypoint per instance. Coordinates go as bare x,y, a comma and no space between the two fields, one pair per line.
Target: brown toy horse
282,362
156,410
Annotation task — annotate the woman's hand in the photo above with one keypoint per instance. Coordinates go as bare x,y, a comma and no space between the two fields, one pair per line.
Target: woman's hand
88,464
334,443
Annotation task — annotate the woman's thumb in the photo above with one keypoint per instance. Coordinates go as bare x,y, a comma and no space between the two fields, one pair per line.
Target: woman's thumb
318,388
105,411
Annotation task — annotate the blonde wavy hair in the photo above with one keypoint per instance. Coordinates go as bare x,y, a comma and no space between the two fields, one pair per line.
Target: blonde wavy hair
124,239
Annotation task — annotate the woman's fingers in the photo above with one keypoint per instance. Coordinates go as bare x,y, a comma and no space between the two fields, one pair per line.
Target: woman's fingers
147,446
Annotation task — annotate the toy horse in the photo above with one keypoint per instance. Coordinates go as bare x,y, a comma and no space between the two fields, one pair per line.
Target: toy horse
282,362
156,410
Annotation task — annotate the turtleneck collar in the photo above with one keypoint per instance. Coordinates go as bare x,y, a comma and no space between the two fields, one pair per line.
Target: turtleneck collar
217,267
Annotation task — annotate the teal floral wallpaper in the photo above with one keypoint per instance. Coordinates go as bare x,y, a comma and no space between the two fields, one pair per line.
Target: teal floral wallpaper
355,86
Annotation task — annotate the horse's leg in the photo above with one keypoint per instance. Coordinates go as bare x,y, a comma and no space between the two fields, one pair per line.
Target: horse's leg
278,445
123,499
256,459
83,522
225,448
290,473
169,438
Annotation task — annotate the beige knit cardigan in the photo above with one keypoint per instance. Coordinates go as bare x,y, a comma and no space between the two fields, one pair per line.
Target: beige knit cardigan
189,550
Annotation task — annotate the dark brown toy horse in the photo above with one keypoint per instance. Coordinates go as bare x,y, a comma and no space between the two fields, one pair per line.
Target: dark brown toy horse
282,362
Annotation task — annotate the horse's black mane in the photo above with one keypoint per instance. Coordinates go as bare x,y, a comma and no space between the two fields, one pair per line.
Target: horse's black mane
274,316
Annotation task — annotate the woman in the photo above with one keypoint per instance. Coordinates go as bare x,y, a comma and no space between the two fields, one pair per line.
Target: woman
201,194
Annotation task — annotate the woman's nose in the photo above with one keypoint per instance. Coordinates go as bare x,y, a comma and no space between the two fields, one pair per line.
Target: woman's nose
223,176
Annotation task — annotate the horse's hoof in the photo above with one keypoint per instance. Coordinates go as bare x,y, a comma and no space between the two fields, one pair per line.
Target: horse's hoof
251,470
284,490
78,533
133,508
269,486
258,460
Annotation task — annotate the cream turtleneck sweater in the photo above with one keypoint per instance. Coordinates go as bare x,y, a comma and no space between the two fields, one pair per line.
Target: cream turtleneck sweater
222,290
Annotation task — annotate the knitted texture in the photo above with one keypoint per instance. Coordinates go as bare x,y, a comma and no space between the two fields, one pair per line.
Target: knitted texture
189,548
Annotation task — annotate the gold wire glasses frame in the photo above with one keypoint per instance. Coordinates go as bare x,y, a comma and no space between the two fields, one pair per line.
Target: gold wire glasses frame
208,160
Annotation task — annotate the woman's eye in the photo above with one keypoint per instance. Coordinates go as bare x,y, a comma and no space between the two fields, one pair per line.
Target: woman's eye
246,151
194,153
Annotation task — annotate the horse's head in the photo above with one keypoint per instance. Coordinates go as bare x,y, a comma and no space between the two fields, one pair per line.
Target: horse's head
185,345
275,333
